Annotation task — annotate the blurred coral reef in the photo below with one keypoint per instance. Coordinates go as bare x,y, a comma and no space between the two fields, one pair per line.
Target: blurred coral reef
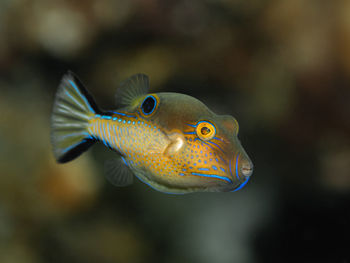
282,68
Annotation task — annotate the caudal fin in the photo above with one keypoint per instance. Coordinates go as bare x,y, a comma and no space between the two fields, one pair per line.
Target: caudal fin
72,110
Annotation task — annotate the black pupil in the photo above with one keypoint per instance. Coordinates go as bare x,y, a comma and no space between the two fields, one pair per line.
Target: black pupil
148,105
205,130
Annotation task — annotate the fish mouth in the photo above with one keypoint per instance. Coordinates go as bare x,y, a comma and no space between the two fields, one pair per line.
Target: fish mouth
246,170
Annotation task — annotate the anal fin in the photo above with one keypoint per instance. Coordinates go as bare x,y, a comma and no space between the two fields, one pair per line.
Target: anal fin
118,173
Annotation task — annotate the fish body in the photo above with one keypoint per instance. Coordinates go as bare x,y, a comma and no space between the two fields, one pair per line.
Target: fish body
170,141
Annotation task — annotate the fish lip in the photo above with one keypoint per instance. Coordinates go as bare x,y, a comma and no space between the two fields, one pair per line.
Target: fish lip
247,168
247,171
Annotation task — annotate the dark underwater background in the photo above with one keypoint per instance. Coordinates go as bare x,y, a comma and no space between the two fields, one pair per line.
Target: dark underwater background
280,67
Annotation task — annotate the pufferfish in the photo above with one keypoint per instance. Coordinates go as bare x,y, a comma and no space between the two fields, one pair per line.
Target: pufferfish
170,141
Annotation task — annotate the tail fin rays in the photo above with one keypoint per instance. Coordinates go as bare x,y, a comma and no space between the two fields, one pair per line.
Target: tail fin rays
72,110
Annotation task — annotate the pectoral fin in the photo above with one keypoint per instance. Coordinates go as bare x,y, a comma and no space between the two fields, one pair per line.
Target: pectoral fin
169,145
177,141
118,173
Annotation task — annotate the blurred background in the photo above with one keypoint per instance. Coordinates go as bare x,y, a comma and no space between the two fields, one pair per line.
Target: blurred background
280,67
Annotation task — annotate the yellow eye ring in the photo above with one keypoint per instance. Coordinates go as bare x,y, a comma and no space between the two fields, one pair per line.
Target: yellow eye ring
205,130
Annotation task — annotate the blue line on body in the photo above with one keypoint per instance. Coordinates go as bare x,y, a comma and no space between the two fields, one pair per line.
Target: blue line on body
217,146
237,166
196,139
242,185
213,176
123,114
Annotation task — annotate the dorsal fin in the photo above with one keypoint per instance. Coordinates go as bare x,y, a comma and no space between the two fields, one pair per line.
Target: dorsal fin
132,89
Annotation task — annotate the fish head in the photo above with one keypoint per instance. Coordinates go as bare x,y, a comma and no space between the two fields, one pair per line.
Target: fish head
204,145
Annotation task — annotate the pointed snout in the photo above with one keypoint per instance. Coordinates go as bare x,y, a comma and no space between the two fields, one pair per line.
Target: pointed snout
242,167
246,167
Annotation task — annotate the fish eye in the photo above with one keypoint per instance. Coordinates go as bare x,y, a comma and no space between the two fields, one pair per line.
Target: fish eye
148,105
205,130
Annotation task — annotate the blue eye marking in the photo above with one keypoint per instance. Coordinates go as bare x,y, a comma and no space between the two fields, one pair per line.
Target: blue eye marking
148,105
213,176
81,95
